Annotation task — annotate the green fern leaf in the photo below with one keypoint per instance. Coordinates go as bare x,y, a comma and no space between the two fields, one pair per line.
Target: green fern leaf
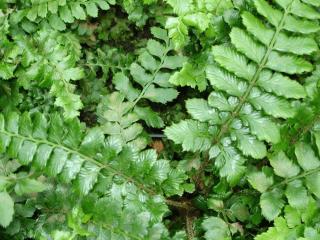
306,156
181,7
117,119
60,12
296,194
312,2
271,204
280,85
200,110
280,231
53,67
151,118
190,76
300,9
216,229
197,20
283,166
252,84
150,71
262,127
89,160
230,164
192,135
26,186
301,26
233,62
6,209
292,216
250,146
6,70
160,95
225,81
260,181
246,45
313,183
272,105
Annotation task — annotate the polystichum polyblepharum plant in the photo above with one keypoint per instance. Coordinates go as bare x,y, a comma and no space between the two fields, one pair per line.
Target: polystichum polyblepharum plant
159,119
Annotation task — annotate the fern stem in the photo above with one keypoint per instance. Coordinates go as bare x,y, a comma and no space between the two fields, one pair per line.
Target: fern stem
180,204
302,175
189,226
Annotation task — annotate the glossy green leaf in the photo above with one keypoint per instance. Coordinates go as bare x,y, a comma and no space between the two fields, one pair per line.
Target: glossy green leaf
27,186
151,118
306,156
6,209
260,181
193,135
296,194
216,229
271,204
200,110
283,166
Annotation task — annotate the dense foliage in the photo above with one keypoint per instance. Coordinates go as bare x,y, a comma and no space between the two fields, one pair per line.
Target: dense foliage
159,119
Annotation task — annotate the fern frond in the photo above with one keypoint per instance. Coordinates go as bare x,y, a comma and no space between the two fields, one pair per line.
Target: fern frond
71,153
294,195
151,71
300,180
252,82
84,159
60,12
117,119
150,75
52,65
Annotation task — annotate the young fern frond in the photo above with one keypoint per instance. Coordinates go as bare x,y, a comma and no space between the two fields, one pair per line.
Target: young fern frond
150,73
192,73
52,64
117,119
86,160
193,15
253,86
